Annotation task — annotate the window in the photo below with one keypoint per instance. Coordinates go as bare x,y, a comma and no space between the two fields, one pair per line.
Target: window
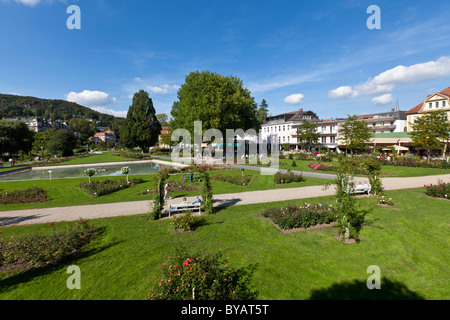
443,104
437,104
431,105
284,128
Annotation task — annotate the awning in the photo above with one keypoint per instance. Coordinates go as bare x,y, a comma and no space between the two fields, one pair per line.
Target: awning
401,148
238,144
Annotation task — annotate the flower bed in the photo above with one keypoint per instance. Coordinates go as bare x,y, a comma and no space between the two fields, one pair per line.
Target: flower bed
405,162
29,195
441,190
323,167
101,188
287,177
237,179
38,250
177,185
291,217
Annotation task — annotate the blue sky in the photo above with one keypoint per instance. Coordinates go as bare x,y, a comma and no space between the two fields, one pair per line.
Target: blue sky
317,55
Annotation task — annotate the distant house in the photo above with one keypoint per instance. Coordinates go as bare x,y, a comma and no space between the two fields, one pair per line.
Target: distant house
104,136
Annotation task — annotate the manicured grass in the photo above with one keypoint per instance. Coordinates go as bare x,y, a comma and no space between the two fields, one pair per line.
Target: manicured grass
409,242
64,192
97,158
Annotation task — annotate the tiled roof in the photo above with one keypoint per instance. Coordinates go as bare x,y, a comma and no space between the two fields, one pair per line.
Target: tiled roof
417,108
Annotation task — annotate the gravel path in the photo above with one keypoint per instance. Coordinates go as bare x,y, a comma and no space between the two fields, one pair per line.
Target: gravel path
47,215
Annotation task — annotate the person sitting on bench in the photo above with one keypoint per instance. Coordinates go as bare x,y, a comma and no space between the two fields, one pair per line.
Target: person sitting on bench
197,200
185,201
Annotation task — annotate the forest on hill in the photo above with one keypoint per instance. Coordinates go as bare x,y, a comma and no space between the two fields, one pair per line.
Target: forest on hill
31,107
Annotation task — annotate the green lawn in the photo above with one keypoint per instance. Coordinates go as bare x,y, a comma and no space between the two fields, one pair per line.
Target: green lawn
64,192
97,158
409,242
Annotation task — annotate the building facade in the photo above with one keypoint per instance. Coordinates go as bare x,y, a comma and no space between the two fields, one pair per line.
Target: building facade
284,127
433,102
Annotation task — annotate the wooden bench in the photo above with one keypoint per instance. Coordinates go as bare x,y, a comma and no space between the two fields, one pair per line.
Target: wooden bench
184,207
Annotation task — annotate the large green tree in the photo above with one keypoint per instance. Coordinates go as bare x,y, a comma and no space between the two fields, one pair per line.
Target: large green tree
431,131
355,133
220,102
263,111
307,134
141,128
15,137
62,143
83,127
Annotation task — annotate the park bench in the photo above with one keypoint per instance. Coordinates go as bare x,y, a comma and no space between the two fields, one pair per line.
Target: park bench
362,190
183,207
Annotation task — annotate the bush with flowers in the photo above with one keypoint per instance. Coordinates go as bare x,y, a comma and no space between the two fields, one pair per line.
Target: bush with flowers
203,277
39,249
441,190
304,216
237,179
287,177
385,202
101,188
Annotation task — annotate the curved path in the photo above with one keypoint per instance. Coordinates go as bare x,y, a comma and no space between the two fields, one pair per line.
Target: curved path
47,215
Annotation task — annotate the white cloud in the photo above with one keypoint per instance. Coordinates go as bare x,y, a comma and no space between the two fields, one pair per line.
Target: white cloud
388,80
343,92
294,99
30,3
383,100
165,88
122,114
91,98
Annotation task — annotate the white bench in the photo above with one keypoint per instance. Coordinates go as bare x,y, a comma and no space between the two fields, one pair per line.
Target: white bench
362,190
183,207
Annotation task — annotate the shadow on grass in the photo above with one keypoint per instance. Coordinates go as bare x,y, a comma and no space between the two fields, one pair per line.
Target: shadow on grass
357,290
222,204
9,221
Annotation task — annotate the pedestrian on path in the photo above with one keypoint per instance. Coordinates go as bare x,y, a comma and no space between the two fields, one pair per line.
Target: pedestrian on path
167,191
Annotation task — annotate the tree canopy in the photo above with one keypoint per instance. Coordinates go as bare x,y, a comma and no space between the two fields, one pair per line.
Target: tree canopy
141,128
15,137
62,143
431,130
307,134
355,133
220,102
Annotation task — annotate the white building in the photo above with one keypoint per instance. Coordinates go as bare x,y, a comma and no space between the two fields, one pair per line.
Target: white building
284,127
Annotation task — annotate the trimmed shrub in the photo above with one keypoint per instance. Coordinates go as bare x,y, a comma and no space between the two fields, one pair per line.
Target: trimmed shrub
187,221
101,188
305,216
287,177
204,277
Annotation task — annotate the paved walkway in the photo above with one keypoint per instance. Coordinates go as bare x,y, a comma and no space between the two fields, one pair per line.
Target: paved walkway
39,216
